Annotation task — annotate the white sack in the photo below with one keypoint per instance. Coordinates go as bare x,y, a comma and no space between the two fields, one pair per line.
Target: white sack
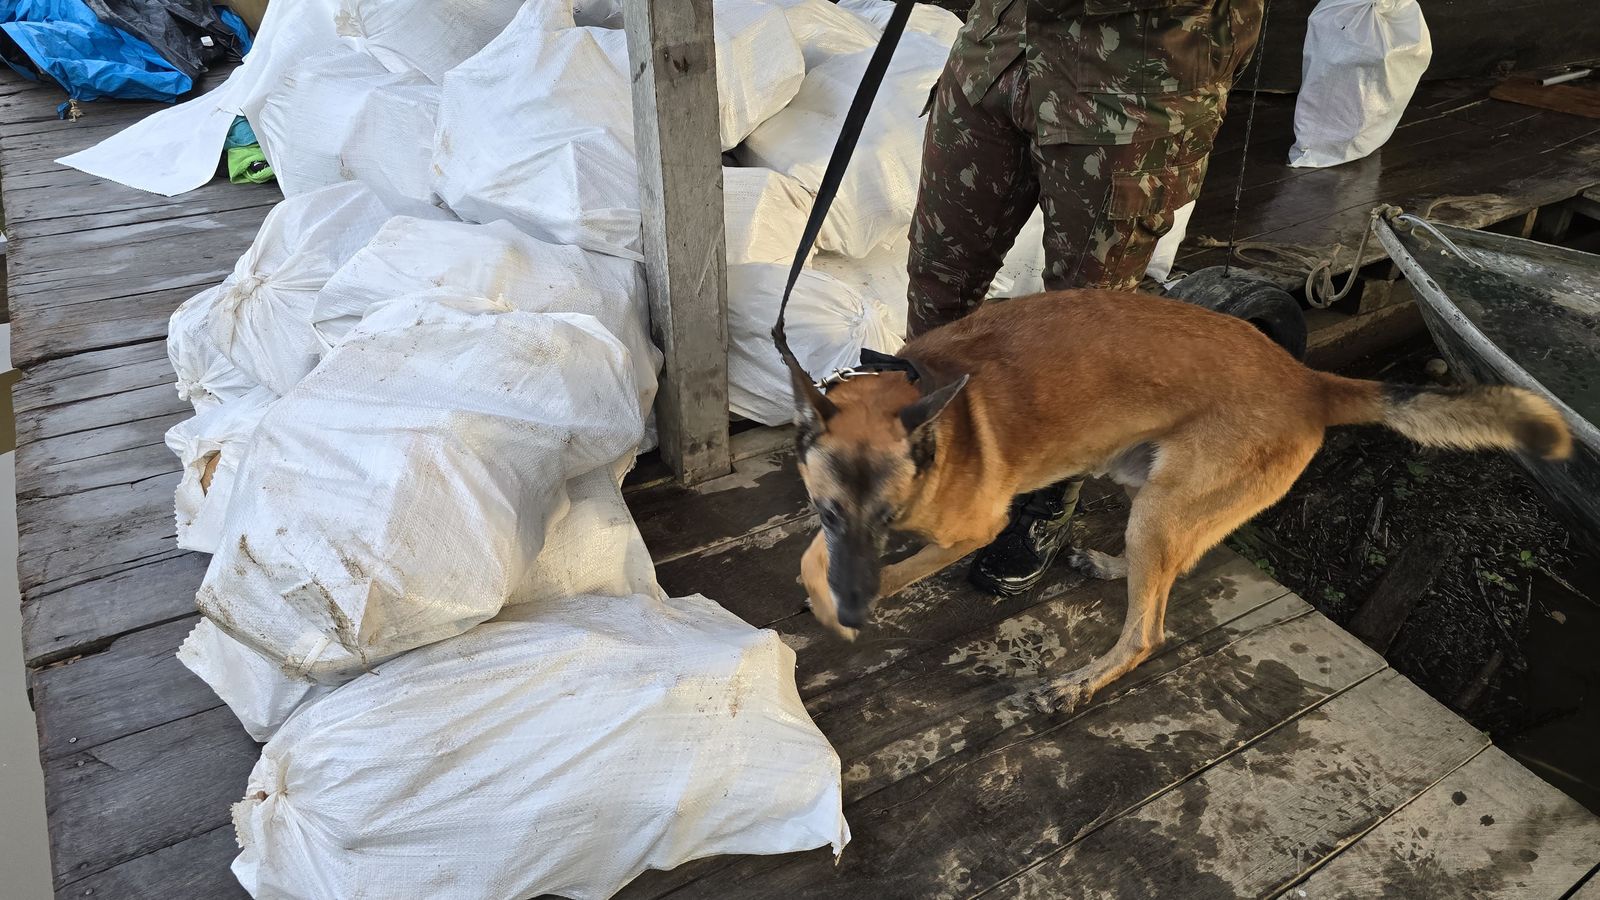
408,255
262,320
562,755
759,66
210,447
429,37
207,378
926,18
1167,248
1022,273
825,30
879,191
764,213
599,13
176,149
257,690
1361,64
344,117
827,325
399,494
592,547
879,276
537,129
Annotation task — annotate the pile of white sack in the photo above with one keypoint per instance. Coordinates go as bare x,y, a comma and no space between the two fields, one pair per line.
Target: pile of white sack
415,399
339,91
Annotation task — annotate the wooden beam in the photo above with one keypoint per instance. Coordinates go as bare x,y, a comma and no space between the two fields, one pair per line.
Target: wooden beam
672,53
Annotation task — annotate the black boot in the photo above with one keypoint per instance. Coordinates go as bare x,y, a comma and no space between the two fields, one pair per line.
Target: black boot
1022,553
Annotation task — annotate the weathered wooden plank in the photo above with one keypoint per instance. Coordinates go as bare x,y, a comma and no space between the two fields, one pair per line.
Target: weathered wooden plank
193,869
885,709
981,685
63,539
123,467
1492,829
92,413
125,260
673,54
40,335
756,578
141,793
45,211
762,492
40,460
1407,578
135,684
93,374
86,616
990,810
1503,170
1256,820
1576,99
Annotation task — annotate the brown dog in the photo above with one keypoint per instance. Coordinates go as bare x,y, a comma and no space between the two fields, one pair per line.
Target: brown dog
1204,420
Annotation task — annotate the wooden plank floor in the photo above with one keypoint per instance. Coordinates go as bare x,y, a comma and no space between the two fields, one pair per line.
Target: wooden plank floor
1456,156
1263,751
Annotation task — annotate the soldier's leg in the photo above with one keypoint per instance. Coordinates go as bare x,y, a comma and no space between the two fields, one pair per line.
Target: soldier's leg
1106,207
977,191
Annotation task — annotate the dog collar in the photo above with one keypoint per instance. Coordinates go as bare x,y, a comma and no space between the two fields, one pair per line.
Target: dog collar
872,363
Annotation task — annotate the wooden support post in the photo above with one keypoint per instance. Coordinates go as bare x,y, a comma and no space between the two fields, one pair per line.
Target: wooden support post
672,53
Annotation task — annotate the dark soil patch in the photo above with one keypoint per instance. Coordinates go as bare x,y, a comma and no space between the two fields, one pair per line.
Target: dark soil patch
1493,636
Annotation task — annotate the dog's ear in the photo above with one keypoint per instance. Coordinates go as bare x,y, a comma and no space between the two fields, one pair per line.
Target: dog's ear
812,409
931,404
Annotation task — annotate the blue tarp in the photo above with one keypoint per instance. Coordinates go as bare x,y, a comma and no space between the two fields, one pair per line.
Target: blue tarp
65,41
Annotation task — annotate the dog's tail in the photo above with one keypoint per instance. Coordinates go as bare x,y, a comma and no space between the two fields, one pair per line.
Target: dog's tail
1463,418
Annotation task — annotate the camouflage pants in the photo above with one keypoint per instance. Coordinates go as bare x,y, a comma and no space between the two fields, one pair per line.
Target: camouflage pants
1105,206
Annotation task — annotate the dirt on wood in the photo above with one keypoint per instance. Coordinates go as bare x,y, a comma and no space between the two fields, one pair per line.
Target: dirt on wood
1504,600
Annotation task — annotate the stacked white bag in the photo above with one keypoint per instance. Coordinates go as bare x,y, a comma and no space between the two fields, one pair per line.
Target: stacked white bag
429,37
1362,62
400,493
343,116
926,18
255,328
825,29
828,324
764,215
408,255
563,753
759,66
591,547
537,129
210,447
879,191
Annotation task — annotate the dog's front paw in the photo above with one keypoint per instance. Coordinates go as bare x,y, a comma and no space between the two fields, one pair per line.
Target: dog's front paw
825,615
1063,696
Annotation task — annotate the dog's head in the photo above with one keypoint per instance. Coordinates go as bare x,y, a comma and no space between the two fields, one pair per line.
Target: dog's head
861,448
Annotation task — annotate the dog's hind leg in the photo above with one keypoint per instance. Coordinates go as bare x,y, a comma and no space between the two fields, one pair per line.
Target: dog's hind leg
1173,522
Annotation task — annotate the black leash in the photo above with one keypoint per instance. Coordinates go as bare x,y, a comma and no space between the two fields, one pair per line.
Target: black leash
854,119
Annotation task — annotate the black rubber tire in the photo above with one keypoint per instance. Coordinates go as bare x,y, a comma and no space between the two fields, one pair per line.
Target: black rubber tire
1259,302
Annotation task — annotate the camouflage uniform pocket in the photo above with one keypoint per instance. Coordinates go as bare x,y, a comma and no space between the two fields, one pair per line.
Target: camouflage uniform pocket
1145,46
1153,194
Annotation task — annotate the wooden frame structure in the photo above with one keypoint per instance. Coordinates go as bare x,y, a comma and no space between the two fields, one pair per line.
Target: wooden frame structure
672,52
